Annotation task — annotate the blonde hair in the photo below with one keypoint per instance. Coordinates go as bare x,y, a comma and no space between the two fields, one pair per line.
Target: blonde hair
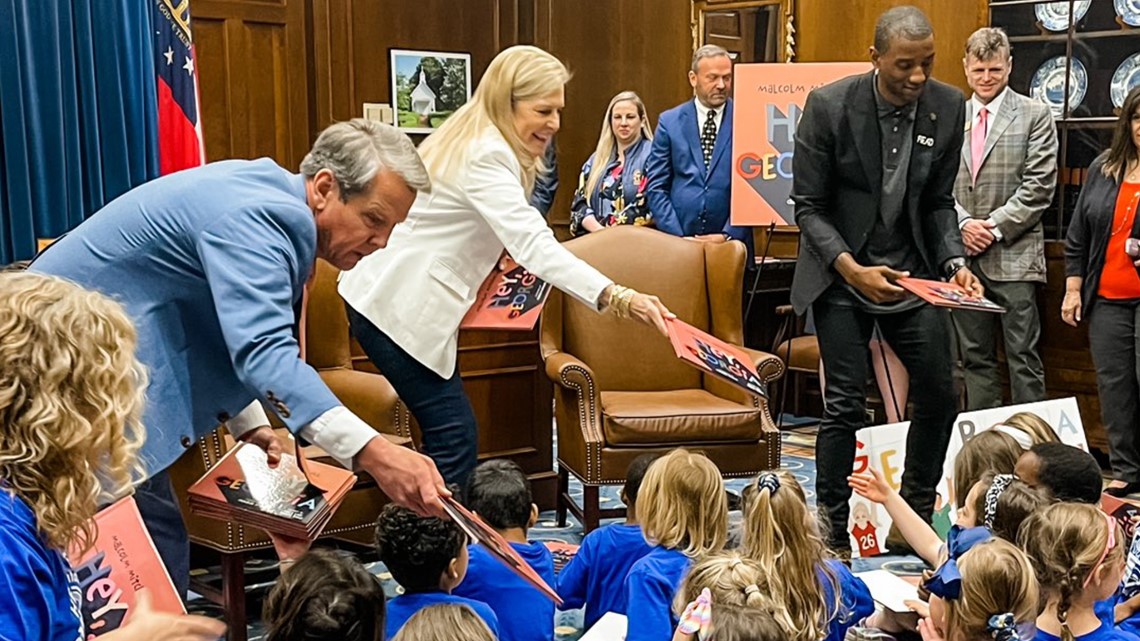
990,451
518,73
996,579
71,399
607,141
682,505
445,622
781,534
731,578
1037,428
1064,542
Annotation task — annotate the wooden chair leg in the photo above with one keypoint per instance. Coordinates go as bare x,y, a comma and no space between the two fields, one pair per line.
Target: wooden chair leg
590,507
563,494
233,595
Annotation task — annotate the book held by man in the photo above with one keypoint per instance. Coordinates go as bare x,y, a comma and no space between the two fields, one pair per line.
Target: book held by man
714,356
122,562
510,298
500,548
952,295
285,499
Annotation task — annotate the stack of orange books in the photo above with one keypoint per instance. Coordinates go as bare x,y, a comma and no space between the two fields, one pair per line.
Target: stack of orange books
288,499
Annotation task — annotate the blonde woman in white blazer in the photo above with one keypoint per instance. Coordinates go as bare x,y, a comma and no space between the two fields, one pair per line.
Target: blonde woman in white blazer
406,301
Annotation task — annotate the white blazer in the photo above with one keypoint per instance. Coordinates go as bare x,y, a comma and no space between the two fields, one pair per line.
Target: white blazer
420,286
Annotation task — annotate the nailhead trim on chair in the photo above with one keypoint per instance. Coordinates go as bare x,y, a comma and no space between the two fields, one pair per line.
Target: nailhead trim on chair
593,450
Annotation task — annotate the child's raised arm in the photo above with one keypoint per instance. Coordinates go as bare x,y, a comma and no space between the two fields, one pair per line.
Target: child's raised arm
921,537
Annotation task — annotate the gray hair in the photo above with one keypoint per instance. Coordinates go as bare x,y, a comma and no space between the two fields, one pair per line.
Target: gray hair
987,42
357,150
906,22
708,51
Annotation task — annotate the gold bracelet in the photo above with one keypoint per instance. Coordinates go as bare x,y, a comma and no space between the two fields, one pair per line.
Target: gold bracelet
627,298
614,305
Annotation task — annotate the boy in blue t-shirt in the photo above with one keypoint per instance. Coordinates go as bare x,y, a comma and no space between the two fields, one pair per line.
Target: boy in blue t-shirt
595,577
428,557
499,492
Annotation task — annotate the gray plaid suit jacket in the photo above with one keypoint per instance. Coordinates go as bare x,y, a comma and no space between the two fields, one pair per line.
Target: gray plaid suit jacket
1015,186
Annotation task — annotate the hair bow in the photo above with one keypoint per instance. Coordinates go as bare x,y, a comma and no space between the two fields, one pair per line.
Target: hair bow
1003,627
768,481
946,581
997,486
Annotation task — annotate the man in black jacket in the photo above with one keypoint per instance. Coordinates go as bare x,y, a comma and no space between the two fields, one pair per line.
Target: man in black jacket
875,160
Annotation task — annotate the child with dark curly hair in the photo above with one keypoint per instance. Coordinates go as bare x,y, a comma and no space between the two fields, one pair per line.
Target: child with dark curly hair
428,558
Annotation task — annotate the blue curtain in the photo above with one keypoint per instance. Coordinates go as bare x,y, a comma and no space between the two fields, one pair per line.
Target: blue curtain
78,121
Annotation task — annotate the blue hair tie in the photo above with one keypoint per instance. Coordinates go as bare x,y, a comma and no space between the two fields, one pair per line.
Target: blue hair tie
1003,627
768,481
946,581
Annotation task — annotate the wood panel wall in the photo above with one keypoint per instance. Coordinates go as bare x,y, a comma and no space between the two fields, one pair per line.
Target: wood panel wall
836,32
253,91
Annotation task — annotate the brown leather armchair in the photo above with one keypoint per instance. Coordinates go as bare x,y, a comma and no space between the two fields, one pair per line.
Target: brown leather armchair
619,389
326,345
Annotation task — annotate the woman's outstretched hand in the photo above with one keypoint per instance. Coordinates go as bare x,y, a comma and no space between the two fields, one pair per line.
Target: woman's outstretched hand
651,311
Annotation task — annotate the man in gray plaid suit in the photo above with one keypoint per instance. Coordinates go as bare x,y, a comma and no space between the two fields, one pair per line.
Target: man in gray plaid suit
1005,183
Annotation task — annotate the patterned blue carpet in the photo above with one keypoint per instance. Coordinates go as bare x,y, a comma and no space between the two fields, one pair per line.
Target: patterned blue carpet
798,457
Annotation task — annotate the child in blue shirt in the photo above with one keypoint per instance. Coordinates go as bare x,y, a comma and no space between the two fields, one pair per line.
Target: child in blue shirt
499,492
428,557
684,515
1077,553
595,577
820,598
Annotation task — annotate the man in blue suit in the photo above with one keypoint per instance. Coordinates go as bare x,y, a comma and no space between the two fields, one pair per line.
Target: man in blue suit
211,264
690,163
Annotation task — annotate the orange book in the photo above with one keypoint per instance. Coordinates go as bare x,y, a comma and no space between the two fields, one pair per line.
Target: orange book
510,298
714,356
122,562
949,295
486,536
289,499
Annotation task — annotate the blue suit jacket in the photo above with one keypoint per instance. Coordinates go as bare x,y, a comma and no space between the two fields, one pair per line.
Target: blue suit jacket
209,263
684,198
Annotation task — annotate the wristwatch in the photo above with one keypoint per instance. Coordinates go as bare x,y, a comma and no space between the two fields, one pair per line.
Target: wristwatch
951,266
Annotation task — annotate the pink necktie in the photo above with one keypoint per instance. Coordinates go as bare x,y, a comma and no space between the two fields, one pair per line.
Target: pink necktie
977,143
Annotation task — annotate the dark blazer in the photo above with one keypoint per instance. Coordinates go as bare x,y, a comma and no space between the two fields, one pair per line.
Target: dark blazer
680,190
838,173
1089,231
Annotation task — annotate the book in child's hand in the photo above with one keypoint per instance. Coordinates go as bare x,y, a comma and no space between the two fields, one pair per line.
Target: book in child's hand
950,295
891,591
562,552
499,548
1124,512
284,499
714,356
122,562
510,298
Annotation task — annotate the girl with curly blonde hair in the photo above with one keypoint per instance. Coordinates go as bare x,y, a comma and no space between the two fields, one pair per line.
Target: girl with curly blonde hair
71,397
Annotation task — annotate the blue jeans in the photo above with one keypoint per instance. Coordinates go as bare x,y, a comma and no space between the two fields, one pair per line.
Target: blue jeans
441,407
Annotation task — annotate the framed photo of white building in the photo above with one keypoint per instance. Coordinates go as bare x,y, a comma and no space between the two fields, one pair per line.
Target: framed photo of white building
427,87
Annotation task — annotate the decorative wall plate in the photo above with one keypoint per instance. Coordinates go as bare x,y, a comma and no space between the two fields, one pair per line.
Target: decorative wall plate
1048,84
1054,16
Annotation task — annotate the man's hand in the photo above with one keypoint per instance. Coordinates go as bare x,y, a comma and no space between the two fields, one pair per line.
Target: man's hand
966,279
878,283
265,438
977,237
408,478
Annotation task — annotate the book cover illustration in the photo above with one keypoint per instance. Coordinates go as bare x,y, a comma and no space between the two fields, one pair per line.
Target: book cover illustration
714,356
509,298
483,534
122,562
949,295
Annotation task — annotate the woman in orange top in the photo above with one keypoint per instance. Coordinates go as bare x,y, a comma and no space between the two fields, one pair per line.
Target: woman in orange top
1102,284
